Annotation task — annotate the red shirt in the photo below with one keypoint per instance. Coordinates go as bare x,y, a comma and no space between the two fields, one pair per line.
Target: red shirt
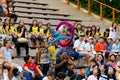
31,65
100,46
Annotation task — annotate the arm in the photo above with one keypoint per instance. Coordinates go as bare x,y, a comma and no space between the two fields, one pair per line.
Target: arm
38,54
39,71
59,64
28,70
20,34
13,51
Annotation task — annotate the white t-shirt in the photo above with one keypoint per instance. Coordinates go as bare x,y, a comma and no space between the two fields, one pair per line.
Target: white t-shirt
89,46
112,34
79,44
62,29
92,77
45,78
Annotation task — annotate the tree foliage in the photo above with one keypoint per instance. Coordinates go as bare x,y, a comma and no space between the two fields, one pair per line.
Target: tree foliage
95,7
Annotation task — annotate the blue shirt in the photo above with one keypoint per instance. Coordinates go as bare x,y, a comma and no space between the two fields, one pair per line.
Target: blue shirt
7,53
109,47
70,52
1,10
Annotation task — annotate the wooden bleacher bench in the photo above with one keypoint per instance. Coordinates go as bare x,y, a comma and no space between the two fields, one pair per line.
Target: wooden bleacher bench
22,57
36,3
47,18
31,23
29,12
31,7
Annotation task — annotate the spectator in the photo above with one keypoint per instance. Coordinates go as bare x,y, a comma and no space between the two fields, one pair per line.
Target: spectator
97,32
12,29
34,31
60,76
17,74
113,59
93,30
79,47
82,30
109,47
111,74
118,70
11,13
103,72
82,75
8,52
50,76
95,75
100,59
42,57
90,47
100,47
47,32
116,46
41,35
1,26
21,35
52,49
106,33
31,71
63,29
6,26
77,31
1,8
69,50
61,63
90,68
70,75
113,29
4,6
89,32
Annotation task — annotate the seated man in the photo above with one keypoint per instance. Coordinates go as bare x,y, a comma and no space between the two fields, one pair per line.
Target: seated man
79,47
31,71
100,47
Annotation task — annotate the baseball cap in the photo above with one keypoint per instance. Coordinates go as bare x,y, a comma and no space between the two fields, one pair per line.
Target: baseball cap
90,37
81,35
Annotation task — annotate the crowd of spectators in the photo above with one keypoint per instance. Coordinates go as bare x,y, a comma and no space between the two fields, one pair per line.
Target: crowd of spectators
52,62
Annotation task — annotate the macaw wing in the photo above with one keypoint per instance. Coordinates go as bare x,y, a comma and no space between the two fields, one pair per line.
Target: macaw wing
63,37
57,40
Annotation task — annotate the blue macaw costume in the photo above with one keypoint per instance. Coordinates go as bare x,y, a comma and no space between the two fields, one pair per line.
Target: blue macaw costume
57,37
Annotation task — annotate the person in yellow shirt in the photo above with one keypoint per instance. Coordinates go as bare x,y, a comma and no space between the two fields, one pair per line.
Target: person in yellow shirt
52,49
6,26
34,30
47,32
1,26
41,34
12,30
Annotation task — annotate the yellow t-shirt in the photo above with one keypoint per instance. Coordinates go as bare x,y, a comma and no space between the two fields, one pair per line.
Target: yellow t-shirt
7,31
48,33
12,28
81,32
53,50
41,30
35,30
0,27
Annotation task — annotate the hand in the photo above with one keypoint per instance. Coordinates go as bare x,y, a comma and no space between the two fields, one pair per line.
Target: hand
22,29
33,75
13,46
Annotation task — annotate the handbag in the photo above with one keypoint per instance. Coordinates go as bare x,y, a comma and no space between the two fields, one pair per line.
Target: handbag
22,40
